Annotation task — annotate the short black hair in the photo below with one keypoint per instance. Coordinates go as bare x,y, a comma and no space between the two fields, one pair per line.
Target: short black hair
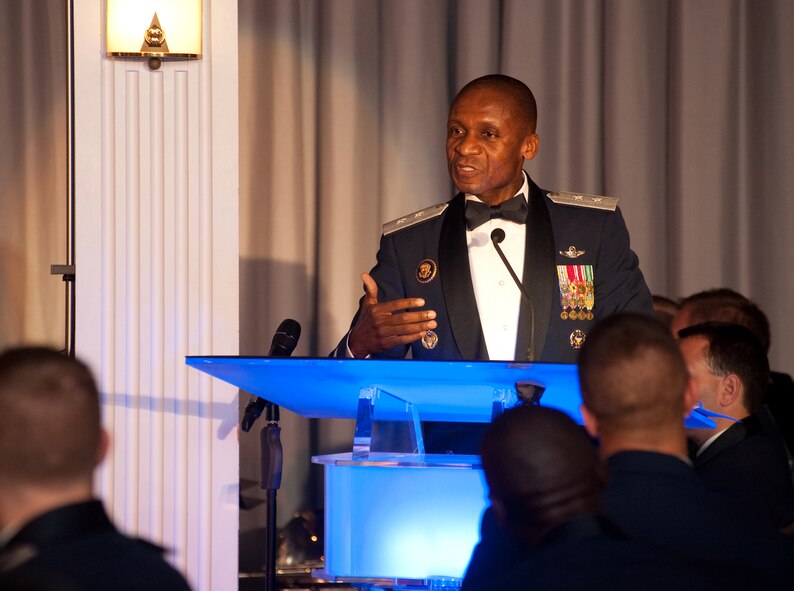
509,85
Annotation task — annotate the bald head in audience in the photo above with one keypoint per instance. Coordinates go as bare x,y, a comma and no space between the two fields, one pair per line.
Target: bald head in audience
541,470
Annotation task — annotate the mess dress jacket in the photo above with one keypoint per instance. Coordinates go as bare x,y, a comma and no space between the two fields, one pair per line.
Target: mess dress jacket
595,237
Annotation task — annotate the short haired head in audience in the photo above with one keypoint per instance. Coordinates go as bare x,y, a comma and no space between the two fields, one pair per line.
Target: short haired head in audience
49,418
723,305
664,309
541,470
632,375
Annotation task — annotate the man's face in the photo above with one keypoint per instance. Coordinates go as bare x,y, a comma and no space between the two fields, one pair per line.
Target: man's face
706,383
488,140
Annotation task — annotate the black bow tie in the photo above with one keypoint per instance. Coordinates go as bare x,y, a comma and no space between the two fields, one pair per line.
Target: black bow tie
514,209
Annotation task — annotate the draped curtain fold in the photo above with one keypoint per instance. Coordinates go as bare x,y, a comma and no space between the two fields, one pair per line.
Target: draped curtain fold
680,108
32,171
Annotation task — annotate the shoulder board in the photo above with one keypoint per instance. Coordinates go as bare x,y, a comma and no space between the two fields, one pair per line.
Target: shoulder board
582,200
414,218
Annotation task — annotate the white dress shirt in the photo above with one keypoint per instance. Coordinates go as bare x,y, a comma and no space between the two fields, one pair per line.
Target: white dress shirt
498,297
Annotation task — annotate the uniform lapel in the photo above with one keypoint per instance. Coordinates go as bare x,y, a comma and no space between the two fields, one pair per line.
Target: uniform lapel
455,274
538,274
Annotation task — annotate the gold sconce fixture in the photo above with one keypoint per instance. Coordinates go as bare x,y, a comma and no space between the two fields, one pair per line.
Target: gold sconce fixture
154,29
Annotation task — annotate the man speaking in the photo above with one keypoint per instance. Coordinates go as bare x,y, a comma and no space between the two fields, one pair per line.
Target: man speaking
504,270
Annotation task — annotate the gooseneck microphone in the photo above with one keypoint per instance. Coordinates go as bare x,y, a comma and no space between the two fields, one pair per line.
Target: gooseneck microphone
284,342
497,236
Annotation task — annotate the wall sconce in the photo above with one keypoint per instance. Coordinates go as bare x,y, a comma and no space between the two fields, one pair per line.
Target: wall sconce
154,29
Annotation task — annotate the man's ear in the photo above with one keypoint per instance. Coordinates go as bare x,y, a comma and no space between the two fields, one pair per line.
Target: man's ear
104,444
530,146
730,390
690,397
499,511
590,422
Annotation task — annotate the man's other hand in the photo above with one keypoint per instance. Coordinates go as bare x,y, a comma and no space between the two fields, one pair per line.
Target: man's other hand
383,325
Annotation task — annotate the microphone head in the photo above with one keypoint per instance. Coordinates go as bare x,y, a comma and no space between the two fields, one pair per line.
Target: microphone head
497,235
286,338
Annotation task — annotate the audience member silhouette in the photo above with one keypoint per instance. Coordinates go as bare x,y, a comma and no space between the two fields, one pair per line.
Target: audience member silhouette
54,535
730,372
726,305
545,481
636,392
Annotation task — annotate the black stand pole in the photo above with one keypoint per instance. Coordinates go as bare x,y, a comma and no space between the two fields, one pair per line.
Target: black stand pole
271,463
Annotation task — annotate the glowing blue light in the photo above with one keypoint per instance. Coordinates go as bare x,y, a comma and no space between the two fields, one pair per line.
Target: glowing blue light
403,522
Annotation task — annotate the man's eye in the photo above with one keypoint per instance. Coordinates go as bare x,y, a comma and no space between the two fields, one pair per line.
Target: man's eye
455,131
489,134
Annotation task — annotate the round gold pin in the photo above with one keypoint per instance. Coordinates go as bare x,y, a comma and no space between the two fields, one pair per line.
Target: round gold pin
564,315
426,271
429,340
577,338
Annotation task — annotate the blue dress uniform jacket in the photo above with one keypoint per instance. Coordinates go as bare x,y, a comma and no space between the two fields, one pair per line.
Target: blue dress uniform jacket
552,229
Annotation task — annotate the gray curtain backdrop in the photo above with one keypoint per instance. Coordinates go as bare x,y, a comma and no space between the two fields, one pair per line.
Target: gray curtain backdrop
682,108
32,170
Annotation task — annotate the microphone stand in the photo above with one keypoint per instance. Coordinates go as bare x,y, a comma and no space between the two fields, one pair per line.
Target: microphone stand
270,468
496,237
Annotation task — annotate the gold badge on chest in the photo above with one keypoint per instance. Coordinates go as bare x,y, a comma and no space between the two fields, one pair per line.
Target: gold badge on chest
426,271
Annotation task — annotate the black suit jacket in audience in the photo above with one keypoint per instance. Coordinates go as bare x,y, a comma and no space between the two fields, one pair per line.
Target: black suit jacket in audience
590,553
748,465
780,401
77,547
659,498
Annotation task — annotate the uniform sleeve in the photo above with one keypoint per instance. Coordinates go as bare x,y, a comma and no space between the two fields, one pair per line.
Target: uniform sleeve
386,274
620,285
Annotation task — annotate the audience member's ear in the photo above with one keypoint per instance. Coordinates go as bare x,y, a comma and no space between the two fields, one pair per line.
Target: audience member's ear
590,422
499,511
104,444
690,397
730,390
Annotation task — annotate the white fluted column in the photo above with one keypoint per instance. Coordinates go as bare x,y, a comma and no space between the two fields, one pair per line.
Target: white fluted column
156,264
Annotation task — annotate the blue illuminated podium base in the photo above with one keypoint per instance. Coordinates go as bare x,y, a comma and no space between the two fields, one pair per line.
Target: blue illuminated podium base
411,516
401,516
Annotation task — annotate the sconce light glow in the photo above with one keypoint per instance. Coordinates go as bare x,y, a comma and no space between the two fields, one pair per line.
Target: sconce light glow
154,28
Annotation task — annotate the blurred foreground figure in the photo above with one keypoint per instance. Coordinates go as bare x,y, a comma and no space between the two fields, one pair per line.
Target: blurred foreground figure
636,392
545,482
53,533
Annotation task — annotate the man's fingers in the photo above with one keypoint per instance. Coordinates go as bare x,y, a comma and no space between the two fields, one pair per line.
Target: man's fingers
370,289
403,304
406,339
389,331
